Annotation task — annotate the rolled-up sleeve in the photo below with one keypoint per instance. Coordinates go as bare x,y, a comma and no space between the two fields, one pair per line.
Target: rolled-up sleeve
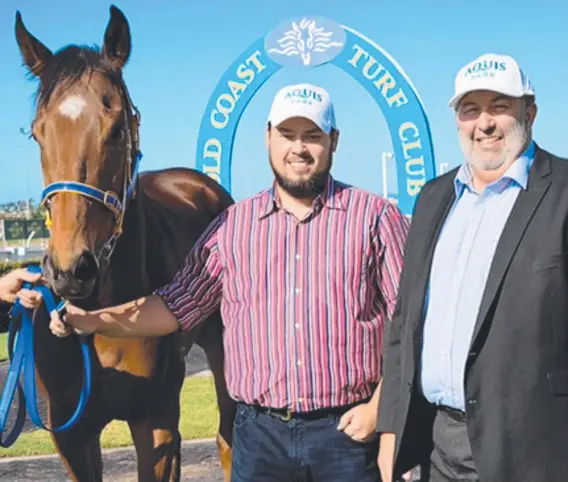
195,291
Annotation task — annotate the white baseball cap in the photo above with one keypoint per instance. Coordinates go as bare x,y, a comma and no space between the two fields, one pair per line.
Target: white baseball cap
303,100
494,72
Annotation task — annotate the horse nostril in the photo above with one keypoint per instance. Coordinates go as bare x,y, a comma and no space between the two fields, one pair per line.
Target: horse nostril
86,267
48,267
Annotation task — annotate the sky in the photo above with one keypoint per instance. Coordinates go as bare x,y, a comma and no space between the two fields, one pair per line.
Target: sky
181,49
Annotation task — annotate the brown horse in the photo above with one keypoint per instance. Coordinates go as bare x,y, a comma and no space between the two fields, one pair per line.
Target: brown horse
105,253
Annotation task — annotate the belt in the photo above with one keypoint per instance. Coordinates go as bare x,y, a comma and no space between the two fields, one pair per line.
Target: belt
455,414
285,414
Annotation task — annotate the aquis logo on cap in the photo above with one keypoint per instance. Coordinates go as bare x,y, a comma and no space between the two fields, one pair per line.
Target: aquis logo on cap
485,67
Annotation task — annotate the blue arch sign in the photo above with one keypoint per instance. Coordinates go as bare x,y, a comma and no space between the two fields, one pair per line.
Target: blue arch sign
309,42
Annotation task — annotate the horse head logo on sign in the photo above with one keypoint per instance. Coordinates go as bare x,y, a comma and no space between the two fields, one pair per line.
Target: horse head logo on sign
313,45
309,42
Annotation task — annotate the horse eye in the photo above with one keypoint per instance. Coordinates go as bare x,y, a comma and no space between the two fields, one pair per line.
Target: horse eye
116,133
35,131
106,102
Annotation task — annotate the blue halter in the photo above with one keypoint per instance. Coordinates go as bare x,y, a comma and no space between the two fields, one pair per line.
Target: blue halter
21,351
108,198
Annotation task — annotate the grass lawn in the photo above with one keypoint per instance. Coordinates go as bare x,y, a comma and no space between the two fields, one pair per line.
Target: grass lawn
199,419
3,346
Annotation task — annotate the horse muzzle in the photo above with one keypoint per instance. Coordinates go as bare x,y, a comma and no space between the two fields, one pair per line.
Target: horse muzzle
78,281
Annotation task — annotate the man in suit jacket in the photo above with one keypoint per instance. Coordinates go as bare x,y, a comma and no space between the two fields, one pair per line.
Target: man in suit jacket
475,381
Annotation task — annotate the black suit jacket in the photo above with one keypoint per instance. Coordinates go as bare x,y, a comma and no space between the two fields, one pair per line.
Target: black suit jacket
516,380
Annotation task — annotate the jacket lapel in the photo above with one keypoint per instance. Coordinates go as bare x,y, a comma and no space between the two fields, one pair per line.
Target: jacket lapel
515,227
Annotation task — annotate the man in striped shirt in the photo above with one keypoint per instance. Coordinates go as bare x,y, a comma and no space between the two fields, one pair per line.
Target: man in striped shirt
306,276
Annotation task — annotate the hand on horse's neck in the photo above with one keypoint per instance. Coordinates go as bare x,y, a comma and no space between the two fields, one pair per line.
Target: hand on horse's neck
300,208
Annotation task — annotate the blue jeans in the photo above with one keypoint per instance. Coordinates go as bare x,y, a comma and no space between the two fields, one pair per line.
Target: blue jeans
266,449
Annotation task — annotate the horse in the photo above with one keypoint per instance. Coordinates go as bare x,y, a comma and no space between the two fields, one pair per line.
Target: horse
115,236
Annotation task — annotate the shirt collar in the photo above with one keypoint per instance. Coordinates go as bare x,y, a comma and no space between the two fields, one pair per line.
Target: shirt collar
517,173
330,197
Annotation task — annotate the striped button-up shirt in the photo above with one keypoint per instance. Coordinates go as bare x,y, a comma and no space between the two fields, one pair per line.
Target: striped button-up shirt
304,302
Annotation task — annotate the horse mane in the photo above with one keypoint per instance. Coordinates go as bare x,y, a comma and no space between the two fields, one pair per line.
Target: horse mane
68,66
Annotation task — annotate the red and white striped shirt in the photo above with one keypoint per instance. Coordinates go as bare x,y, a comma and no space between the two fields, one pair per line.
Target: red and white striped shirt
304,303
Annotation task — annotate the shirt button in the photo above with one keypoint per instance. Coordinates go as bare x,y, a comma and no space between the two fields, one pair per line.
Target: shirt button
297,256
297,290
297,325
299,363
300,399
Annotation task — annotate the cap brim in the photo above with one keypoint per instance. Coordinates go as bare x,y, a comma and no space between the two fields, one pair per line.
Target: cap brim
455,100
279,120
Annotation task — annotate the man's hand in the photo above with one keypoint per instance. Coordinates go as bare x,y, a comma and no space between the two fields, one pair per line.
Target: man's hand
75,320
359,423
11,288
147,316
385,459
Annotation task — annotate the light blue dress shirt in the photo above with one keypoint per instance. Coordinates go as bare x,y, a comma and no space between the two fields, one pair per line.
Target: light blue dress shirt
460,266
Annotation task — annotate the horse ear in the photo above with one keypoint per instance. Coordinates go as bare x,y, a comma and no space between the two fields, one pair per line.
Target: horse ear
117,42
35,54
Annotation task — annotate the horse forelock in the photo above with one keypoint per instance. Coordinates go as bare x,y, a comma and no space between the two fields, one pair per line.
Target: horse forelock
68,66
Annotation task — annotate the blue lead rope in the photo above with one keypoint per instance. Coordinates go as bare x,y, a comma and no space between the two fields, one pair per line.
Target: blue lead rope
21,352
10,385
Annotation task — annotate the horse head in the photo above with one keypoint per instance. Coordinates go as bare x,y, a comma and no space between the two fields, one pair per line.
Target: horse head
87,130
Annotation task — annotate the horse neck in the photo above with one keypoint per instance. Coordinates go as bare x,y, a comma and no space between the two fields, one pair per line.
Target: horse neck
125,276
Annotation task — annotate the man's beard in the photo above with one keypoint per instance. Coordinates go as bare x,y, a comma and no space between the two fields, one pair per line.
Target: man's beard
515,139
307,188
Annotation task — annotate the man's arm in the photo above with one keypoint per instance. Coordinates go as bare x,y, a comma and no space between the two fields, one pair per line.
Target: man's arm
392,232
387,416
389,238
389,242
192,295
148,316
392,236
